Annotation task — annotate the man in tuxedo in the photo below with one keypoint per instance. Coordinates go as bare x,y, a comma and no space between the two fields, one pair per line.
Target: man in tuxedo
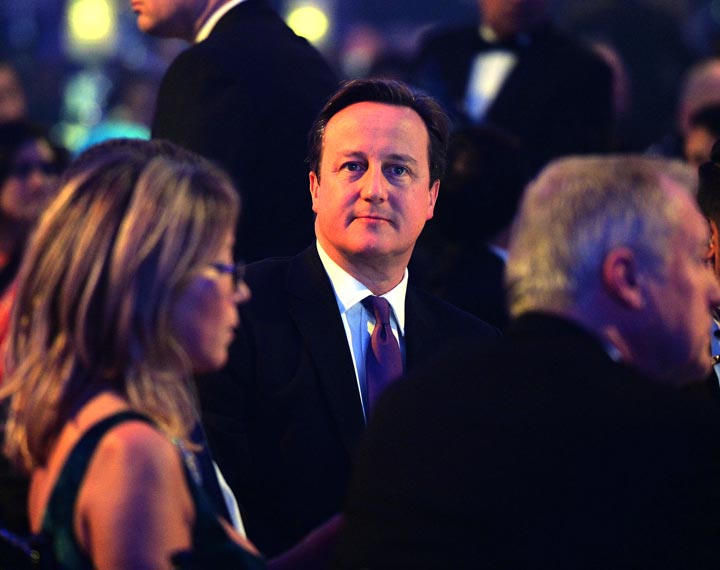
285,415
244,95
570,442
517,71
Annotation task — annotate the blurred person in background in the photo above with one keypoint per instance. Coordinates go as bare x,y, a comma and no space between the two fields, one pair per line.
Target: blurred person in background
702,132
516,70
700,87
29,169
13,105
461,255
244,95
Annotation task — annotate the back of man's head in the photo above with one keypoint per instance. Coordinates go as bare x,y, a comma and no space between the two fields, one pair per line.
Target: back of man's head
617,245
578,210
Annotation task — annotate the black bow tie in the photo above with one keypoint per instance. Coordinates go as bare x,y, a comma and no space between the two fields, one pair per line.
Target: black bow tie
514,43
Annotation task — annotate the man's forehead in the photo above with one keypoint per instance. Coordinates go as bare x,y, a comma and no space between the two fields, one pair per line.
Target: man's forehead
370,122
367,111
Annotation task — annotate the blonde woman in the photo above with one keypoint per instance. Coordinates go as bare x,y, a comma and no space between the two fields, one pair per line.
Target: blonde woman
128,287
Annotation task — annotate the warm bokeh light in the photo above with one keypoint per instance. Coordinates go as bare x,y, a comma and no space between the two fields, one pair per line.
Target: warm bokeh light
91,21
310,22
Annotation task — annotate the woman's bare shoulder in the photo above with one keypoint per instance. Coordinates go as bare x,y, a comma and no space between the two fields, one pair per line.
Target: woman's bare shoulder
136,447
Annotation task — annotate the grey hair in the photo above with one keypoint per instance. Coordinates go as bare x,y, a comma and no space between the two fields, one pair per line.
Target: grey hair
580,208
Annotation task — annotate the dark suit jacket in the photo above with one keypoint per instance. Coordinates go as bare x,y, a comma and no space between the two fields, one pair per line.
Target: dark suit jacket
245,98
476,285
468,276
557,99
284,417
538,452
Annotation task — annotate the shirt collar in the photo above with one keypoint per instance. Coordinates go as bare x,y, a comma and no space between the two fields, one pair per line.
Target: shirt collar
501,252
349,291
209,24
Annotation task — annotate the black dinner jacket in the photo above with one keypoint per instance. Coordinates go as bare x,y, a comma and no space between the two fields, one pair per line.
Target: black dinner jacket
246,97
557,99
284,417
536,452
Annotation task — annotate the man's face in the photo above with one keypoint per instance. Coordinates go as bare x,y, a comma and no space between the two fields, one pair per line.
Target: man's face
12,98
30,183
509,17
168,18
681,301
373,193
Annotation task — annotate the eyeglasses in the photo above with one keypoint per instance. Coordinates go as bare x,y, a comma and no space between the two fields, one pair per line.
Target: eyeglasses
236,271
24,169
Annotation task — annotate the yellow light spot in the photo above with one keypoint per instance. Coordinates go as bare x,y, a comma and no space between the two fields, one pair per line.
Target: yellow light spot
310,22
91,21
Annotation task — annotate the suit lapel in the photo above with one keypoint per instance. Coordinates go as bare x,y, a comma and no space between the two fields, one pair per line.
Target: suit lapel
314,310
421,331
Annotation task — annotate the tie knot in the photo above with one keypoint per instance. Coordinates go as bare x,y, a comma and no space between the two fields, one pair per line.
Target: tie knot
379,307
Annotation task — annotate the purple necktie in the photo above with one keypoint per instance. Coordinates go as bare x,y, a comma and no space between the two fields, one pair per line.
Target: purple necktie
383,362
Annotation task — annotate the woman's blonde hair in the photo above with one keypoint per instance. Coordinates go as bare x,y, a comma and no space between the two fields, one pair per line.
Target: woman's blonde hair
131,224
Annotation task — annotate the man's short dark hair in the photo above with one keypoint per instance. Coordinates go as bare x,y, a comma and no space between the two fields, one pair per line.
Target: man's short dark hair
392,93
708,118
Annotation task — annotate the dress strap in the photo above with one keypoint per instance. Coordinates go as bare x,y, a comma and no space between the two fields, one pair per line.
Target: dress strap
58,520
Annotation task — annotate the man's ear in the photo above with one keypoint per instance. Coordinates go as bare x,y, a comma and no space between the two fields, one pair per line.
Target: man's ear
621,278
314,186
434,190
713,247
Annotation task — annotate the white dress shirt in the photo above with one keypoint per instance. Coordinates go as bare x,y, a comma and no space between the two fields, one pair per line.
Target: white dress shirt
488,73
357,321
209,24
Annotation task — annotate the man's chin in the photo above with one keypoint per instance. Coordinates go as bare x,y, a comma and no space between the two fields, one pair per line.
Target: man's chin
152,28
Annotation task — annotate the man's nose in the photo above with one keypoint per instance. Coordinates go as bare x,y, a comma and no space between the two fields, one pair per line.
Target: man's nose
375,185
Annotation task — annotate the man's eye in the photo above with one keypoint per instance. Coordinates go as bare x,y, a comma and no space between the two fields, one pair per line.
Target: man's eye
398,170
351,167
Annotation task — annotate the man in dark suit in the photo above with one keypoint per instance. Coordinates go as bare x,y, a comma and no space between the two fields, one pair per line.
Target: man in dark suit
517,71
244,95
284,417
569,443
461,255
